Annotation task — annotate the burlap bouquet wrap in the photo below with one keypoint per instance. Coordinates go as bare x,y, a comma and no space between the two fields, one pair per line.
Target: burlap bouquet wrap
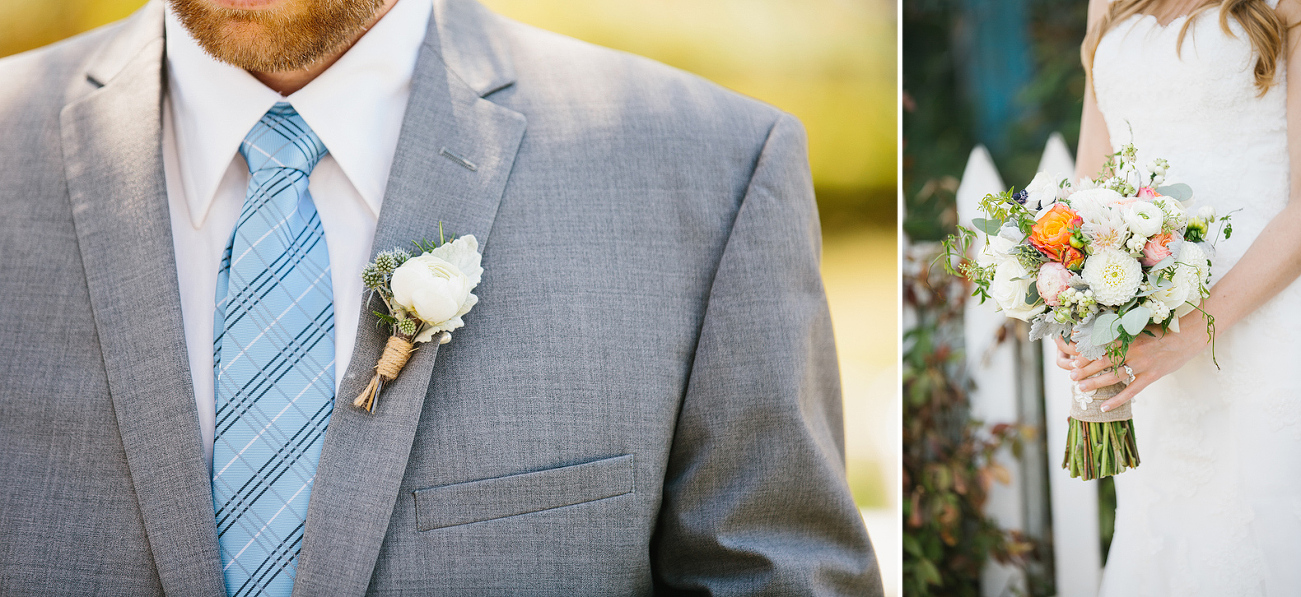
1092,412
1100,444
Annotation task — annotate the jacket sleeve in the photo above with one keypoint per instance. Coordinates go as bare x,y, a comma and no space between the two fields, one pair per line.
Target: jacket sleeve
755,497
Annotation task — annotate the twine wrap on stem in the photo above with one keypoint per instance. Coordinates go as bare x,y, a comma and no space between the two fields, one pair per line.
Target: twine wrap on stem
396,353
1092,412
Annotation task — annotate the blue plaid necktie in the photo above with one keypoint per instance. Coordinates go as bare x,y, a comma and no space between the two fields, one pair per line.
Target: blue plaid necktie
273,355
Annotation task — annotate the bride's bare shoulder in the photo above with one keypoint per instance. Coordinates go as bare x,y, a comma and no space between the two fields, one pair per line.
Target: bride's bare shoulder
1097,8
1290,12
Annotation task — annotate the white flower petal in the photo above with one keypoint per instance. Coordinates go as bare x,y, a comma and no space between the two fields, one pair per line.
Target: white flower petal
463,253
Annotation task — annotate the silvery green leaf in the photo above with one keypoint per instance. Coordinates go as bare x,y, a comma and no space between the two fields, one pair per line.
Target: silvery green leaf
1045,326
1178,191
987,226
1164,263
1135,320
1032,294
1105,329
1083,337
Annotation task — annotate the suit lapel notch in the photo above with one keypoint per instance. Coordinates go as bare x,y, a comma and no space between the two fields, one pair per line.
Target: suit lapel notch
364,458
113,166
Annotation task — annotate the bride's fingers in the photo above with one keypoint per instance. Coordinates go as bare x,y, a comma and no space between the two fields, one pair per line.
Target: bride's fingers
1100,381
1065,361
1065,346
1126,394
1092,368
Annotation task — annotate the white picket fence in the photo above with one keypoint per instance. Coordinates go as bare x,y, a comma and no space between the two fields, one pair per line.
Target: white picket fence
1008,390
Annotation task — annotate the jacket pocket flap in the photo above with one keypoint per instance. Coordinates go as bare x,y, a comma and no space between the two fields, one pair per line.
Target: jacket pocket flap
477,501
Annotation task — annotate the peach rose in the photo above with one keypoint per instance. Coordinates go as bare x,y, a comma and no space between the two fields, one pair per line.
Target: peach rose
1051,234
1156,249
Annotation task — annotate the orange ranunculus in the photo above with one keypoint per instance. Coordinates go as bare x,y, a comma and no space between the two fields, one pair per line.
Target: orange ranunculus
1073,259
1052,233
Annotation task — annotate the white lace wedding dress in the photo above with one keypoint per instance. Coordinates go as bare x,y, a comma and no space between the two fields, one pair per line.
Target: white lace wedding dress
1215,507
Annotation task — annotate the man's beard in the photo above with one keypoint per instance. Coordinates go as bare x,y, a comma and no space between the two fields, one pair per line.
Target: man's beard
278,39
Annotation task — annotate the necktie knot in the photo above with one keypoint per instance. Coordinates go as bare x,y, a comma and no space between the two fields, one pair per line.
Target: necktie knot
282,139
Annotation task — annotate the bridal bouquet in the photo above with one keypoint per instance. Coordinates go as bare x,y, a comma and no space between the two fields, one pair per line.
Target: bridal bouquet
1096,262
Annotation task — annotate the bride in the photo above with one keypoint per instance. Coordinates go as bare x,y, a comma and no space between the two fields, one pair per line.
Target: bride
1215,508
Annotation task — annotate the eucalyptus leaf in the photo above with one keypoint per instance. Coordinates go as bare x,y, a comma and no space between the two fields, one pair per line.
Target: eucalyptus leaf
1135,320
1164,263
1032,294
1178,191
987,226
1105,329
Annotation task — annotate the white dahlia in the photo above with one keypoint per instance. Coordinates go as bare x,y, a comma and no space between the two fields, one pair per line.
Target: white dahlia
1113,276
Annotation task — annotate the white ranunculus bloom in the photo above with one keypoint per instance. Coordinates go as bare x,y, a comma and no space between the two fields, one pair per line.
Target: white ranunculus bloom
1144,219
1010,292
437,286
1113,276
1206,212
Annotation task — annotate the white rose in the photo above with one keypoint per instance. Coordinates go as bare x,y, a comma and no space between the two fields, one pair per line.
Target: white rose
996,251
1144,219
1191,273
1010,293
1175,214
437,286
1113,276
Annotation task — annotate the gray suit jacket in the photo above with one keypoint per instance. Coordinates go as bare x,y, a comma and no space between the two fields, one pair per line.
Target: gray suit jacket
644,401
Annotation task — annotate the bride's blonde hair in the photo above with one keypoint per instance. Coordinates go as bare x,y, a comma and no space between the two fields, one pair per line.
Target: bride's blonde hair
1263,26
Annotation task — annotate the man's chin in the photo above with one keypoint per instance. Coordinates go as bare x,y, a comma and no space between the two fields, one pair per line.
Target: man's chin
250,5
274,35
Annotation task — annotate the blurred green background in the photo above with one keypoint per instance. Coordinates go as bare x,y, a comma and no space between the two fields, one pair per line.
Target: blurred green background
832,63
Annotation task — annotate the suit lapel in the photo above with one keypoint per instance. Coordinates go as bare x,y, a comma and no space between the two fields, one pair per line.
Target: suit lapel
454,155
112,153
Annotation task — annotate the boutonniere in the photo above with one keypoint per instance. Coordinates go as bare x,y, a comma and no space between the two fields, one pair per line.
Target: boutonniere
426,296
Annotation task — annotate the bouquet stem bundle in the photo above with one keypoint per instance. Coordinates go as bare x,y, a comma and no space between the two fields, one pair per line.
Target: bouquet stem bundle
1100,444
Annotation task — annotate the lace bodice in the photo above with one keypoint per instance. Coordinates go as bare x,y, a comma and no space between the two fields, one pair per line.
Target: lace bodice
1200,109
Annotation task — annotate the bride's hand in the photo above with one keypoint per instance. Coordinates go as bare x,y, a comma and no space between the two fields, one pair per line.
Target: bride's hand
1066,354
1150,358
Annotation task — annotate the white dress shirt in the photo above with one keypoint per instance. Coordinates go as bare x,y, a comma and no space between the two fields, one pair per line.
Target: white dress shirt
355,107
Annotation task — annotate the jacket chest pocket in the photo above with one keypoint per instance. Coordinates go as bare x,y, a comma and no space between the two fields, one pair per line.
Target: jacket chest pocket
512,495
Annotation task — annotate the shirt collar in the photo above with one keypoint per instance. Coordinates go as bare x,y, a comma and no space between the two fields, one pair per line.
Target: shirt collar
355,107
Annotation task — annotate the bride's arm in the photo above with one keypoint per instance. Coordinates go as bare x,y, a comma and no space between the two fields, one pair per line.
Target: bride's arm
1095,146
1095,143
1271,263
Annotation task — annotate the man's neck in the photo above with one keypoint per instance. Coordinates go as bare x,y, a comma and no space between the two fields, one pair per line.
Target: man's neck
287,82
